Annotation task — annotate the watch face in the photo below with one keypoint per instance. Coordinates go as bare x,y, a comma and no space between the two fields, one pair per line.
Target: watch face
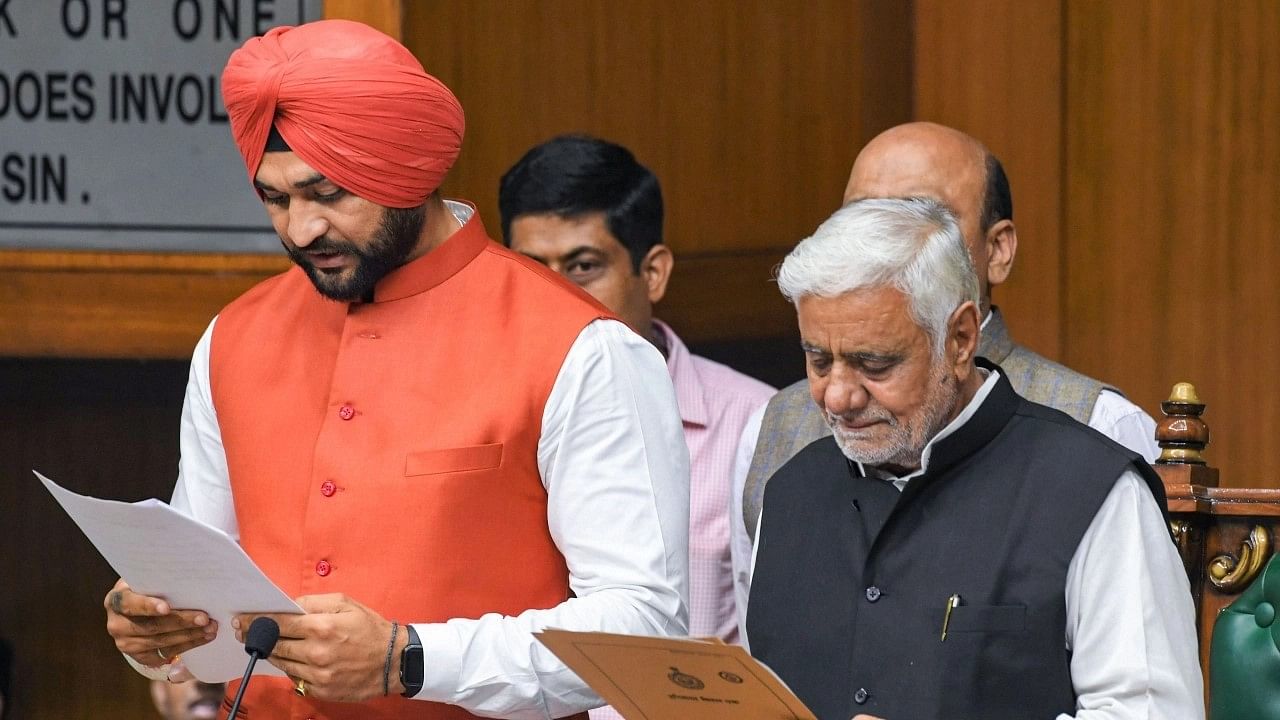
411,669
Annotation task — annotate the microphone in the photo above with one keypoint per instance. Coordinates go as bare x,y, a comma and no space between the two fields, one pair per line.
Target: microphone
258,642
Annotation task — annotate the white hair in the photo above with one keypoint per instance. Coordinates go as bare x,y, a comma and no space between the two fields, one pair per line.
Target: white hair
911,244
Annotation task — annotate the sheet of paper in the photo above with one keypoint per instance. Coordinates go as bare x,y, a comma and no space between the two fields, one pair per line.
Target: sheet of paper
651,678
159,551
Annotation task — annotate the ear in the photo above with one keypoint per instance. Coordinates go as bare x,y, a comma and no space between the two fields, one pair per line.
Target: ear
1002,246
655,270
963,328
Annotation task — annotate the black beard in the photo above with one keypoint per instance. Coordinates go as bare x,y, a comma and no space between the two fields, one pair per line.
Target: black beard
395,239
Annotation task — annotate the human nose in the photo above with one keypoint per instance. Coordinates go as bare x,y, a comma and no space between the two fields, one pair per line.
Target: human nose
306,224
844,392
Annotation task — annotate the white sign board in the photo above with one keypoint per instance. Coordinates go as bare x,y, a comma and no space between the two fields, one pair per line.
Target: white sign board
113,134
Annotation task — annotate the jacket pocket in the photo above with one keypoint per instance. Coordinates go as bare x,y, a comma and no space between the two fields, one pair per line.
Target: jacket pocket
988,619
452,460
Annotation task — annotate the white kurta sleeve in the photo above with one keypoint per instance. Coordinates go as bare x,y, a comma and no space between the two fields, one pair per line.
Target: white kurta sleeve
1117,418
1130,616
203,490
614,462
740,545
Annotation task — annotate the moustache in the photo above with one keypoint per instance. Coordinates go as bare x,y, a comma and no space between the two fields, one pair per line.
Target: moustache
867,415
324,245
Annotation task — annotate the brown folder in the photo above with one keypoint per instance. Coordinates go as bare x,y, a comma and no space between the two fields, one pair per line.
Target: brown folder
653,678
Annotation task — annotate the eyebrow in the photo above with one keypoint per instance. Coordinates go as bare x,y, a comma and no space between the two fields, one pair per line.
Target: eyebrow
859,357
307,182
579,251
570,256
864,358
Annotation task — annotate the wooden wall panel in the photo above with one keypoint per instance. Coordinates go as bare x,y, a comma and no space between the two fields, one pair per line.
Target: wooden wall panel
115,304
993,68
107,428
749,113
386,15
1173,204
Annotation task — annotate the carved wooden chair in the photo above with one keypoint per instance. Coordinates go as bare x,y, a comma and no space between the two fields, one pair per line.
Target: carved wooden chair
1224,535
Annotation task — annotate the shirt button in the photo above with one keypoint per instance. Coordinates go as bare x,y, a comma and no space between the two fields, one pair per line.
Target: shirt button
323,568
346,412
327,488
369,335
861,696
873,593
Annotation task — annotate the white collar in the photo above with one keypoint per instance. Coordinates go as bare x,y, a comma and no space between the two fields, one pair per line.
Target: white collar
956,423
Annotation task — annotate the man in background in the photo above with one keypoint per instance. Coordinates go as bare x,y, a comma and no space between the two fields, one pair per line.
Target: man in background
189,700
924,159
588,210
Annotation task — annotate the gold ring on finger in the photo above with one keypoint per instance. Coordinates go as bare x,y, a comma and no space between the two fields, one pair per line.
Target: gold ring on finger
161,654
300,688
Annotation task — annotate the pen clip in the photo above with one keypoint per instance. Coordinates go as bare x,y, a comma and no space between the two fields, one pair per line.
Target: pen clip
952,603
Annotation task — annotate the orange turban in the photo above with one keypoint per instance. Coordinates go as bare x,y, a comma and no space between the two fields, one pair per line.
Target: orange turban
351,102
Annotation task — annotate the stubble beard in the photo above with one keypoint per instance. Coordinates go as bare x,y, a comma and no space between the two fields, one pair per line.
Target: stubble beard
396,237
908,437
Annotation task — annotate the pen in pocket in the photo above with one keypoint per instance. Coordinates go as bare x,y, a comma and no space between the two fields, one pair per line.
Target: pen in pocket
952,603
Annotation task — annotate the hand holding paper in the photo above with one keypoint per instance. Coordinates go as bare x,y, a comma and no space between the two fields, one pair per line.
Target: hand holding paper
148,630
162,553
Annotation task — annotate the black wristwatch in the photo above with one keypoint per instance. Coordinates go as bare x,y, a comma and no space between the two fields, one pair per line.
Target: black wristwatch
412,669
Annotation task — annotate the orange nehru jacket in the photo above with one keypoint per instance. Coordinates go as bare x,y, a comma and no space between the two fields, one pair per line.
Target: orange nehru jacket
388,450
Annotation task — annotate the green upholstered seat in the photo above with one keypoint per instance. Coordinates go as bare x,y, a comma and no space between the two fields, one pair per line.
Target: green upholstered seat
1244,658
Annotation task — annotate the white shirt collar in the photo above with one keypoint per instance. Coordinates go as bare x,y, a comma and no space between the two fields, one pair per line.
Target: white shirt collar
461,212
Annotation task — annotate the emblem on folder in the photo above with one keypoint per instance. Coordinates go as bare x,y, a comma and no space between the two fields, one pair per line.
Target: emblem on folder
688,682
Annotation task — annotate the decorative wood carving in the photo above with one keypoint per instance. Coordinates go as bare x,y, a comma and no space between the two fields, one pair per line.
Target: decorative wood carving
1182,435
1232,573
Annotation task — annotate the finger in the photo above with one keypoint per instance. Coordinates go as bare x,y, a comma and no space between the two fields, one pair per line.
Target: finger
293,651
143,648
173,651
287,623
295,670
294,625
124,601
120,626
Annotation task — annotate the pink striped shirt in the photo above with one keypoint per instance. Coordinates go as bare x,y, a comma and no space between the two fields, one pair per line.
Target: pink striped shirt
715,402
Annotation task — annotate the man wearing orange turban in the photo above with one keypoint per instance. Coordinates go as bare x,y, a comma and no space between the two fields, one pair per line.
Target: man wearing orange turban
436,445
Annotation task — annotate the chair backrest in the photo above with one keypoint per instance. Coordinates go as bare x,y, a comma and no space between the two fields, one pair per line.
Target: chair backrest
1245,653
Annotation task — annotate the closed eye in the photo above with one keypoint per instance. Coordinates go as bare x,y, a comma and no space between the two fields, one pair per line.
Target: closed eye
330,197
819,363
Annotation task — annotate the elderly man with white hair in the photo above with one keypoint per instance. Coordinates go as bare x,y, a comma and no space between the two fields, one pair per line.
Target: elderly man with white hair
954,551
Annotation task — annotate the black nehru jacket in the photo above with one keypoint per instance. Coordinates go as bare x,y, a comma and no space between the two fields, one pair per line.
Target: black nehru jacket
852,578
